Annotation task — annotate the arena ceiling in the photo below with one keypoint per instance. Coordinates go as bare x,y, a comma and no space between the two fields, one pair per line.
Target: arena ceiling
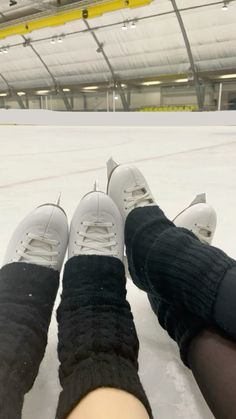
159,40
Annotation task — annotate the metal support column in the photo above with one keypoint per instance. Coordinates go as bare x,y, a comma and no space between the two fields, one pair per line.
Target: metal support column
129,98
220,96
108,101
85,102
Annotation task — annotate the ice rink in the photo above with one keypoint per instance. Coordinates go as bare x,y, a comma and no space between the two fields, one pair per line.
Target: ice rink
39,162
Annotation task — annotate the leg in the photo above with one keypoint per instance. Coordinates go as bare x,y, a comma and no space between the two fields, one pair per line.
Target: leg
215,375
169,261
191,287
27,295
98,344
109,403
28,287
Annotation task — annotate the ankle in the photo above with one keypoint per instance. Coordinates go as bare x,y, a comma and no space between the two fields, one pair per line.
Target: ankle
142,229
141,220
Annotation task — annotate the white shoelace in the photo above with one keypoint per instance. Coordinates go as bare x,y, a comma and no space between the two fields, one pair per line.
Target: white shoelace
140,195
97,238
38,250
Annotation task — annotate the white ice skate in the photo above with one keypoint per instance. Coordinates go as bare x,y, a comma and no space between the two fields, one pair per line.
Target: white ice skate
127,187
97,227
41,238
200,218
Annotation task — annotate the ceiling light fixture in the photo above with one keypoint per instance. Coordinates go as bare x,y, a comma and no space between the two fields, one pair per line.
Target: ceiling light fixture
42,92
225,6
133,24
21,93
60,39
3,94
66,90
151,83
53,40
181,80
124,27
90,88
228,76
6,50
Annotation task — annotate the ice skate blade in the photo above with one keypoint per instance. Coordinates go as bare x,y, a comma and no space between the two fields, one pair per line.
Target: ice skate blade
111,166
199,199
52,205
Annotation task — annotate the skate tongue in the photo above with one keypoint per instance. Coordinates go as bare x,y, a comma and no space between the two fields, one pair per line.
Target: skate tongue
138,194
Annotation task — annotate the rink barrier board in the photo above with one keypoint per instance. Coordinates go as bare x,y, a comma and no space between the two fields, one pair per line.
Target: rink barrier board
45,117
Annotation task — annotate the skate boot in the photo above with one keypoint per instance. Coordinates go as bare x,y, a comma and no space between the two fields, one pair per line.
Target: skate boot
127,187
97,227
200,218
40,239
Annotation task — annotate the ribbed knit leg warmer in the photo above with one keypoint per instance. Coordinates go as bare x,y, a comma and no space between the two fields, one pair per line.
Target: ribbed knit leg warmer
181,325
98,344
27,295
171,264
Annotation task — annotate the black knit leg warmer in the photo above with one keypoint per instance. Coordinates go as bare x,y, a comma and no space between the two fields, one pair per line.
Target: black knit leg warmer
181,325
143,226
98,344
172,264
27,295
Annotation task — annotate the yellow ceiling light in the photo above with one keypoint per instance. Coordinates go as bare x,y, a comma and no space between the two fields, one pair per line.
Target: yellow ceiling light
3,94
68,16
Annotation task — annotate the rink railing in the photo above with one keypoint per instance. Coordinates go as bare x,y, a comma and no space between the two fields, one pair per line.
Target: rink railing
45,117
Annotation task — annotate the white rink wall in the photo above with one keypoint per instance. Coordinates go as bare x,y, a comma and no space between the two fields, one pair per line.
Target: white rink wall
45,117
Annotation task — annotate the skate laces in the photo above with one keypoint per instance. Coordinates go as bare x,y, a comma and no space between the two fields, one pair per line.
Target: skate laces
97,239
140,195
203,233
38,250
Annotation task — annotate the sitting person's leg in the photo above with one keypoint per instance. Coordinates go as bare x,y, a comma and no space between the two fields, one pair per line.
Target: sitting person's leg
191,287
98,344
169,261
29,282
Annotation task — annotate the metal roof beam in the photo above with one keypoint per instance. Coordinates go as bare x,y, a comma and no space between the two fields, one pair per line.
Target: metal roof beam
12,93
27,43
55,82
198,87
113,75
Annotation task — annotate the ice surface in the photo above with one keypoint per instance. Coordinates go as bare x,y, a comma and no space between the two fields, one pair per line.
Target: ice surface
37,163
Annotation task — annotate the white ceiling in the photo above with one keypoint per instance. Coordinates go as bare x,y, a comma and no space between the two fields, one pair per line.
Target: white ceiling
155,47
